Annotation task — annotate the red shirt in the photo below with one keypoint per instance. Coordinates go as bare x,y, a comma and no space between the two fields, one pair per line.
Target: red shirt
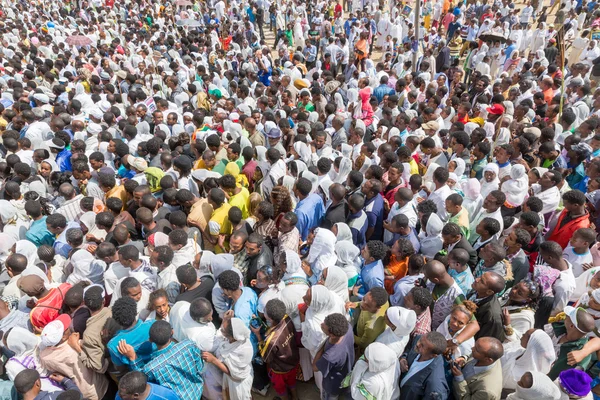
48,307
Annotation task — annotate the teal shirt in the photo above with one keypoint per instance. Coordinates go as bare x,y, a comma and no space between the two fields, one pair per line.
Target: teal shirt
39,234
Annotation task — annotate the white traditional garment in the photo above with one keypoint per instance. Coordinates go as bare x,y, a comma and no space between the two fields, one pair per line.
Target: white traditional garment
488,187
86,268
585,282
404,321
29,250
383,29
6,243
516,187
348,256
473,199
321,253
237,356
343,232
344,171
464,349
538,356
323,303
550,197
374,375
25,345
313,179
89,220
432,242
14,223
542,388
184,327
304,153
261,153
337,282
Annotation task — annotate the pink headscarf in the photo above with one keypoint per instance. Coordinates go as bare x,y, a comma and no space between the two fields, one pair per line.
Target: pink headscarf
367,110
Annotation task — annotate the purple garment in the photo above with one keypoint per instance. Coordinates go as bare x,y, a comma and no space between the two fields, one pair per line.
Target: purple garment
336,363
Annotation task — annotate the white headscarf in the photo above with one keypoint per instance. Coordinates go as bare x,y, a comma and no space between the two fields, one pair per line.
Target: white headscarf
343,232
238,355
516,187
321,254
432,242
538,356
294,265
460,167
344,170
488,187
29,250
337,282
404,320
85,268
376,375
323,303
261,153
542,388
6,243
303,152
473,200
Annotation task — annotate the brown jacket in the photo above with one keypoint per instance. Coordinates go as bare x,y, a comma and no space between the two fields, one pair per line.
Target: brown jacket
92,348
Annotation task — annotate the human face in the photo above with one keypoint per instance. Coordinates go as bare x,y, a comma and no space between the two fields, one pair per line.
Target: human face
112,147
393,175
525,338
135,293
319,142
158,118
423,346
45,169
284,226
236,244
511,240
307,297
477,351
409,302
458,320
368,304
161,306
231,156
262,280
366,255
480,285
490,202
578,243
252,249
520,293
489,176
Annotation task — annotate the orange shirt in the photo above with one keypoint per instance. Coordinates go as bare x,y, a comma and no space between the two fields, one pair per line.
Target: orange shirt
397,269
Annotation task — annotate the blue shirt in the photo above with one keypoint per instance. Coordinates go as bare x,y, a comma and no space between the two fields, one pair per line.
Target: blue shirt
309,211
463,279
381,91
61,247
374,210
371,275
177,367
63,160
358,225
158,392
138,337
245,307
39,234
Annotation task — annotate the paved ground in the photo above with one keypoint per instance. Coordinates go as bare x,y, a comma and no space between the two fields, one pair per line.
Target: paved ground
306,391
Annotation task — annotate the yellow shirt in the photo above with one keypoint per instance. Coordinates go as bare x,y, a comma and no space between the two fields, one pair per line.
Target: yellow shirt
241,201
219,224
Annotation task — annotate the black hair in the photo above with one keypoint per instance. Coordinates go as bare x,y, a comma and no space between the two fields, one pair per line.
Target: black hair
160,333
124,311
229,280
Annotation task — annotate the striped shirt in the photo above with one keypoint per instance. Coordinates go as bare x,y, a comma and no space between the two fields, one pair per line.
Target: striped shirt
177,367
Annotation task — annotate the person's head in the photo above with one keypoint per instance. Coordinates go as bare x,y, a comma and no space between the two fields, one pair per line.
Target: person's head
487,350
451,233
28,381
124,312
159,302
454,203
275,311
134,386
129,256
578,321
551,252
583,239
374,251
494,200
458,259
186,275
418,299
430,345
131,287
160,333
487,227
229,281
374,299
254,244
335,326
93,298
201,310
15,264
488,284
177,239
460,315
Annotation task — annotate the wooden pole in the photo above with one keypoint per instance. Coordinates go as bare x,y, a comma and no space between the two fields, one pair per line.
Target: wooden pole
561,41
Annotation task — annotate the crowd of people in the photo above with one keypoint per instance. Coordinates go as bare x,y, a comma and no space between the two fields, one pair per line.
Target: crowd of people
222,200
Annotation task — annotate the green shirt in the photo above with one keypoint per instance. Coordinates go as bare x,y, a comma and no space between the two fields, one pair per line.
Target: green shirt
370,326
565,348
